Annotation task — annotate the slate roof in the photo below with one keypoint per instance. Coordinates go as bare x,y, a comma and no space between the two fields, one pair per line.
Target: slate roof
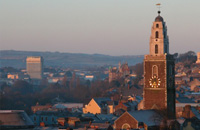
15,118
102,101
139,98
131,104
106,117
184,100
149,117
183,104
110,102
100,125
68,105
52,113
119,111
196,112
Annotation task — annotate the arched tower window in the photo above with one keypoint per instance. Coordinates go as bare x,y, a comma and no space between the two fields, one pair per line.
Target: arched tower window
156,49
157,25
157,34
155,70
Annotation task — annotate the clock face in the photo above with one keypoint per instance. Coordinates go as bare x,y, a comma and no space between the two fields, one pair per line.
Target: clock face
154,82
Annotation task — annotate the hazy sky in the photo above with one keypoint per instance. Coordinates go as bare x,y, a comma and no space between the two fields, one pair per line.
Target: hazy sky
114,27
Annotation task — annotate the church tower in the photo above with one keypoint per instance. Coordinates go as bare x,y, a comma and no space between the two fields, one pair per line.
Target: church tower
159,74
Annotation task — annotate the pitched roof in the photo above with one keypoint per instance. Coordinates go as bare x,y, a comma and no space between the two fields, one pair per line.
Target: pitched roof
52,113
184,100
149,117
195,112
101,101
100,125
106,117
68,105
131,104
15,118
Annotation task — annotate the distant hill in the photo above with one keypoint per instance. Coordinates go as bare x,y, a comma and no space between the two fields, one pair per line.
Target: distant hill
17,59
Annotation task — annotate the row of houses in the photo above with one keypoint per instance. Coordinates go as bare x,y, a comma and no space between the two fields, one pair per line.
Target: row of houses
107,106
135,120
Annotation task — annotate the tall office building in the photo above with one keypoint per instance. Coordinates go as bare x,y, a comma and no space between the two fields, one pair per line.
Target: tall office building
34,67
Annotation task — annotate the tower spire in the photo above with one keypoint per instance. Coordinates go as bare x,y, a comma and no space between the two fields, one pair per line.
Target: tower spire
159,73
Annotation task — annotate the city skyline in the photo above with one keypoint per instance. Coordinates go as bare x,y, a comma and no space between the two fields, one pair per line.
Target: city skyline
118,68
103,27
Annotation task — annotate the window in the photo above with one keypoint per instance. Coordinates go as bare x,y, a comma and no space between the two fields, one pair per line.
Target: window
156,49
52,118
157,25
46,118
41,118
157,35
125,126
155,70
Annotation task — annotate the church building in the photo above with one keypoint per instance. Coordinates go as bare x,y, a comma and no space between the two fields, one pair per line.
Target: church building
158,105
121,72
159,73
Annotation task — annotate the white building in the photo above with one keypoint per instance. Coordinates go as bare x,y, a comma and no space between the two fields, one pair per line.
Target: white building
99,106
34,67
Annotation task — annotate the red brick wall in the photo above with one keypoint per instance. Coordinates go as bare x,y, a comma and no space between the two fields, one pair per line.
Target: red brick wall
125,118
120,106
153,95
156,97
163,96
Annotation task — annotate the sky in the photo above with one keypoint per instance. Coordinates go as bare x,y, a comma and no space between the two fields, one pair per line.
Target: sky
112,27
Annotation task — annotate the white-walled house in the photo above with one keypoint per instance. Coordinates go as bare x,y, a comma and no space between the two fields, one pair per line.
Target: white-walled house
99,106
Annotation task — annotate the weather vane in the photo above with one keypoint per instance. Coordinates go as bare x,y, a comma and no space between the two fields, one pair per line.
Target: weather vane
158,5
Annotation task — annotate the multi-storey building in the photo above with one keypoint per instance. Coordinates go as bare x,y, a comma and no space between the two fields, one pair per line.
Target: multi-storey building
34,67
117,73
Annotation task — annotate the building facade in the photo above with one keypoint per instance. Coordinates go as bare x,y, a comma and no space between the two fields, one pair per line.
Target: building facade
12,76
99,106
15,120
198,58
34,67
121,72
46,118
144,119
159,74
